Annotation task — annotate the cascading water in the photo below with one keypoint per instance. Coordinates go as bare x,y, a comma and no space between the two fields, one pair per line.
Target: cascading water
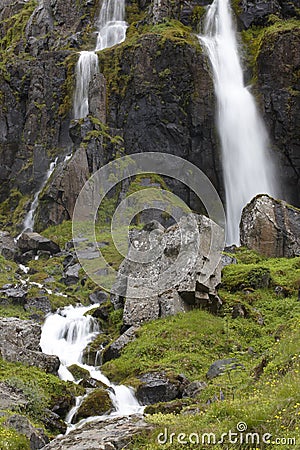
247,168
66,334
111,31
28,223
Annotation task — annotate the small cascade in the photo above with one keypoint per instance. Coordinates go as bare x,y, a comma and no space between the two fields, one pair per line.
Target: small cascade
111,31
28,223
66,334
247,168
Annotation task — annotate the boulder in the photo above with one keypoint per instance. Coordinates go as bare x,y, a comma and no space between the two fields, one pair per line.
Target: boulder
112,434
96,403
8,247
11,398
183,271
34,241
271,227
193,389
98,296
16,295
71,275
114,350
21,424
19,342
158,387
221,366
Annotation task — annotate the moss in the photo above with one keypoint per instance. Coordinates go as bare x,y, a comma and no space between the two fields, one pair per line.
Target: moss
256,36
41,390
78,372
197,16
68,87
95,404
12,210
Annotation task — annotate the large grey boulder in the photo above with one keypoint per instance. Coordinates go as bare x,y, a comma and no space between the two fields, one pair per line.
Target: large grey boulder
34,241
111,434
158,387
8,247
20,342
21,424
271,227
171,271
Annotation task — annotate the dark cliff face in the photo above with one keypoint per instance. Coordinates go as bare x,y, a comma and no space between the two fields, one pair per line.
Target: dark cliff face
157,94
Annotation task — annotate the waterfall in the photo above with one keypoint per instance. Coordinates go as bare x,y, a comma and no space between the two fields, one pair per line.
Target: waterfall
247,168
28,223
111,31
66,334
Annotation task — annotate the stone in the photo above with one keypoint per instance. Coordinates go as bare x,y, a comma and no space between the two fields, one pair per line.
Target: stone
96,403
111,434
194,389
157,387
33,241
271,227
8,247
15,294
20,342
221,366
114,350
71,275
11,398
98,296
179,278
21,424
38,303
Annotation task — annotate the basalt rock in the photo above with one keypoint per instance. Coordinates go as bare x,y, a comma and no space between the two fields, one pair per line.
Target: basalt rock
111,434
271,227
33,241
114,350
19,342
182,273
158,387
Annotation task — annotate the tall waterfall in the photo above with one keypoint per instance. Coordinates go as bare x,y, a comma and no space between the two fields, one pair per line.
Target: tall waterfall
111,31
66,334
247,167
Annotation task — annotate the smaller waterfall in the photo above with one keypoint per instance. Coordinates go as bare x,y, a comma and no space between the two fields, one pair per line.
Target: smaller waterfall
28,223
66,334
247,168
111,31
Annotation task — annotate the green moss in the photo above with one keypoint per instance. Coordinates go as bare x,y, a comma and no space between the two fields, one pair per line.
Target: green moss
255,37
41,390
14,31
69,85
95,404
197,15
12,210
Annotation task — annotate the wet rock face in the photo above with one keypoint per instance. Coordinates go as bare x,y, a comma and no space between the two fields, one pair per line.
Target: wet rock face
277,64
271,227
257,12
20,342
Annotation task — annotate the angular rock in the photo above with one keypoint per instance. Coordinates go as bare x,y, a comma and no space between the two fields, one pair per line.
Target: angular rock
114,350
98,296
19,342
193,389
21,424
71,275
15,294
157,387
33,241
8,247
271,227
219,367
182,272
11,398
111,434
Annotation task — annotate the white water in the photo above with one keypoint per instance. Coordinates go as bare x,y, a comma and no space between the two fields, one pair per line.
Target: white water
28,223
247,167
111,31
66,334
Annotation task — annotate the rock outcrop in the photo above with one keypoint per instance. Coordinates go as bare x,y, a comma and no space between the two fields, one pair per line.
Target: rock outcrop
112,434
183,271
271,227
19,342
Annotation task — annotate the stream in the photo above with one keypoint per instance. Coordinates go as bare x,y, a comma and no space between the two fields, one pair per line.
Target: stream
66,334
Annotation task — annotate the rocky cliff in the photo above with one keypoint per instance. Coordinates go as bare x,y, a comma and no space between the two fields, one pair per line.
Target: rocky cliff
156,94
